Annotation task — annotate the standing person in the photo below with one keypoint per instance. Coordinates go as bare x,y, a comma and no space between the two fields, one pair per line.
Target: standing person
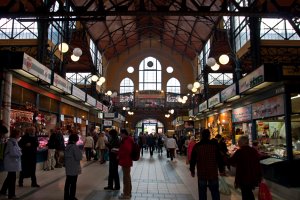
248,170
3,131
72,157
206,156
140,142
190,147
113,149
223,150
59,149
29,144
101,146
171,147
151,143
88,146
12,164
125,162
51,151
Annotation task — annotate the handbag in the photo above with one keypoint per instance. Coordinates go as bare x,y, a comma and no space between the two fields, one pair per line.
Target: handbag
264,192
223,186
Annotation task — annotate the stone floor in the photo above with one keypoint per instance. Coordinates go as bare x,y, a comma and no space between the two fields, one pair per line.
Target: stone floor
153,178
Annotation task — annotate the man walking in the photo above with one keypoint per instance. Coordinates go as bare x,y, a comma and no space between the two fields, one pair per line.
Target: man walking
208,159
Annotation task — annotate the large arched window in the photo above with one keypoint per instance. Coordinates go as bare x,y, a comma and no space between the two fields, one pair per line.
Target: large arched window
150,74
173,86
126,90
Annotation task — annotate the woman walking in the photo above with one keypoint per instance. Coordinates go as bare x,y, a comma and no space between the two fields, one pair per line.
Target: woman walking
12,164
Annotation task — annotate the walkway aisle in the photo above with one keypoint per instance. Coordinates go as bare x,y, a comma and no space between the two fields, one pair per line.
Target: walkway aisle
153,178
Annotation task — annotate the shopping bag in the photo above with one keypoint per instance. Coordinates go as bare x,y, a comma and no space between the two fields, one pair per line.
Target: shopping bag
223,186
264,192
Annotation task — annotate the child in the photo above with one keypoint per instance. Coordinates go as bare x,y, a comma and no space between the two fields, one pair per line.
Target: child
73,155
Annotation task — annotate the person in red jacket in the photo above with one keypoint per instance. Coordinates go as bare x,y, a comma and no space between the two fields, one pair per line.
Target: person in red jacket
125,161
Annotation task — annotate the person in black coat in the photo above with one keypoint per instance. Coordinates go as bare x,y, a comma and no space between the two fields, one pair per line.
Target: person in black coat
113,146
28,144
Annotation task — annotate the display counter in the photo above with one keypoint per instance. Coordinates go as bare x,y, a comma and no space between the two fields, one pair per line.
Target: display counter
282,172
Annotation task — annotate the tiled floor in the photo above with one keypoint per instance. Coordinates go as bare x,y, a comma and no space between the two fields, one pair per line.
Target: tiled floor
153,178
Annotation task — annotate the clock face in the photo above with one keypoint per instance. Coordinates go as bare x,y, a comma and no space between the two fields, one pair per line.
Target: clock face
150,64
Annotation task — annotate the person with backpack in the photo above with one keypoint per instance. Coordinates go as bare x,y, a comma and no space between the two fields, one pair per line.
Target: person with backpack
125,161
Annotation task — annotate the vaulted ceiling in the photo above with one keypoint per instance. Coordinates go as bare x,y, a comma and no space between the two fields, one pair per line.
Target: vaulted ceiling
118,25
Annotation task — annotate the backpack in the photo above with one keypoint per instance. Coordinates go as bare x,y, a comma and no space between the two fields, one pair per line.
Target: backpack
135,153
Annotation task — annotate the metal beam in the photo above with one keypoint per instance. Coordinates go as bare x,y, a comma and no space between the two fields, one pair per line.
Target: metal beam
100,15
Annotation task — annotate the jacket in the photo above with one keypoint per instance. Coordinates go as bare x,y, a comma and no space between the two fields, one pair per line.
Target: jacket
12,156
207,156
125,150
73,155
89,142
248,169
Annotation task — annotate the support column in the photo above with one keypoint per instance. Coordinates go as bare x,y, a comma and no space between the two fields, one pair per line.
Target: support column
254,25
7,99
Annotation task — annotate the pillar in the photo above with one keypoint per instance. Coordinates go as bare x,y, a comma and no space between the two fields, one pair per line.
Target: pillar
7,99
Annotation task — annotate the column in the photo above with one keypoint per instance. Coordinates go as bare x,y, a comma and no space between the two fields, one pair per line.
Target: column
7,99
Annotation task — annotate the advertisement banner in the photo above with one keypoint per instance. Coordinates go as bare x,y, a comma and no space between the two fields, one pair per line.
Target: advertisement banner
251,80
35,68
228,92
62,83
268,108
241,114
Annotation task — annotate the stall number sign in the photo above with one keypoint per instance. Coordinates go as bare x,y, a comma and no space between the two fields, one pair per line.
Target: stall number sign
107,123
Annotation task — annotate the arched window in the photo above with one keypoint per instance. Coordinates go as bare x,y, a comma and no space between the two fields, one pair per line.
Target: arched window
126,90
126,86
173,86
150,74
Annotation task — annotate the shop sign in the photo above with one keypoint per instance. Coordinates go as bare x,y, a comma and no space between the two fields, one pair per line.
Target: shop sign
62,83
100,115
290,71
268,108
109,115
90,100
241,114
251,80
76,92
228,92
104,108
35,68
203,106
99,105
214,100
107,123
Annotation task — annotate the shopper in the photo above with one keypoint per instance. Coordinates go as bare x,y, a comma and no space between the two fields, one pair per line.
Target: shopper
248,169
51,151
206,156
171,146
88,146
113,148
125,162
29,144
101,146
59,149
72,156
12,164
190,147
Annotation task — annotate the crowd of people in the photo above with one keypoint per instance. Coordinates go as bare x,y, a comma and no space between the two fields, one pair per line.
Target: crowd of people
209,156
